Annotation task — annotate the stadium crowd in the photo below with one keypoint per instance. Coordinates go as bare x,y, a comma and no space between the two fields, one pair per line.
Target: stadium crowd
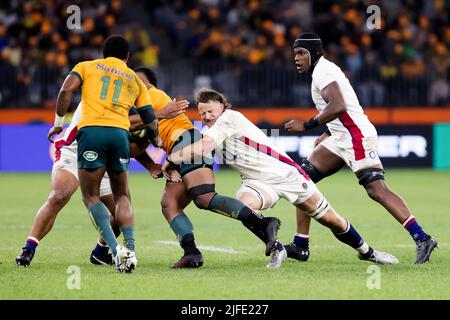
240,47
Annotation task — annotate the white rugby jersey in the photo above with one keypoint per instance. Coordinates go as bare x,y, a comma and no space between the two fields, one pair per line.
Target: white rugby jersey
353,125
68,141
248,149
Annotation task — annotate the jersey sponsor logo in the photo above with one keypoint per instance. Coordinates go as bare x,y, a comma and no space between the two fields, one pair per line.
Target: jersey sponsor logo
124,161
102,67
90,155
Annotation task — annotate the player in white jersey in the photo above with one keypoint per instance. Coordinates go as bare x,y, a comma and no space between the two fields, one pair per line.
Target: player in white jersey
64,183
350,140
267,173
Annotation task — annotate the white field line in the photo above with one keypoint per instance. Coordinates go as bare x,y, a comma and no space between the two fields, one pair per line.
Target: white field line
202,247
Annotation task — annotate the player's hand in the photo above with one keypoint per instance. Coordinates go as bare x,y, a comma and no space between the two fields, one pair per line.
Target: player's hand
156,171
52,132
322,137
173,109
174,175
295,126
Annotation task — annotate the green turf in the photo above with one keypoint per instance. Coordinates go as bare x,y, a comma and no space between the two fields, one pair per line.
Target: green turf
333,271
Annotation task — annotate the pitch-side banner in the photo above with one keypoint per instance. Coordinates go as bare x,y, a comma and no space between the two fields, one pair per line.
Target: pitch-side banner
25,148
398,146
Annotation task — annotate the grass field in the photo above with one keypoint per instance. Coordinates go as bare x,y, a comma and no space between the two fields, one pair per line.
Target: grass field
333,271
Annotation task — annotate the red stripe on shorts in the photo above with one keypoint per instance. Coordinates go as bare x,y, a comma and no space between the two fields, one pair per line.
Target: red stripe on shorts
357,136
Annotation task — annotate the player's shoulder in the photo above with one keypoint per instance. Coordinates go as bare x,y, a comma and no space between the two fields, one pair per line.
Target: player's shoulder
325,66
94,62
230,115
233,118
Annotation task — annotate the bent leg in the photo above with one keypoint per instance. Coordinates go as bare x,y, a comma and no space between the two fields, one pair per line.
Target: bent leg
63,186
90,189
320,164
124,212
318,208
200,185
175,198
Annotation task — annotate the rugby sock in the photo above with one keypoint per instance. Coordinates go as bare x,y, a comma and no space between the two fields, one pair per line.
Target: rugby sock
100,249
100,218
278,246
181,225
254,222
235,209
301,240
414,229
227,206
352,238
32,243
128,237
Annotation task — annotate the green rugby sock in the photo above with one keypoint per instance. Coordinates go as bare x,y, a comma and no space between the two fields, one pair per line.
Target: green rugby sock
100,218
128,237
227,206
181,226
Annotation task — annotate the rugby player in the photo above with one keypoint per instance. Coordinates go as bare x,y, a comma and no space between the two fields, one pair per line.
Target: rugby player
109,90
350,140
267,173
64,183
197,185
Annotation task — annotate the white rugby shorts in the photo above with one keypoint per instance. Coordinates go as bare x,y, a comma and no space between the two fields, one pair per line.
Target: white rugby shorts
356,157
292,186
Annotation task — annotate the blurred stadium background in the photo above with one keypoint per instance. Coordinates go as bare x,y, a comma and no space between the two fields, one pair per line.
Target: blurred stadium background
244,49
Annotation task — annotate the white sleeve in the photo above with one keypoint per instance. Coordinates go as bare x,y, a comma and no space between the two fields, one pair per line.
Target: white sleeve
324,77
225,127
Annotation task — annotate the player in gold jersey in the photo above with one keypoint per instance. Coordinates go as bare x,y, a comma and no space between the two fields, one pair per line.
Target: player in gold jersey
109,90
197,184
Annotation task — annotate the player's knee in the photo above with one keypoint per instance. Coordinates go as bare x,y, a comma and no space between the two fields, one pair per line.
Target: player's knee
169,206
59,198
203,201
311,171
202,195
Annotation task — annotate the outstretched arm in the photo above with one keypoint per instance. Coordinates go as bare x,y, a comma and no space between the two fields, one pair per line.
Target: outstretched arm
193,151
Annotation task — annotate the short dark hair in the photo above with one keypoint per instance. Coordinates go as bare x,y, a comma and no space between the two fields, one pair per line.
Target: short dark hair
149,74
116,46
206,95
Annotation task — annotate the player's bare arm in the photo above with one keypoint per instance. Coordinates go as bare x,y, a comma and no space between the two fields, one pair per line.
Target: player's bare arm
70,85
150,124
193,151
335,107
170,110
